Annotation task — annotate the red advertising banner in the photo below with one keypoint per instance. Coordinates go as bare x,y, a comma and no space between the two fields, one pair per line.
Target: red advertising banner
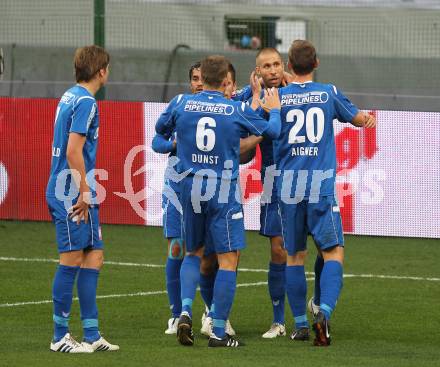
26,129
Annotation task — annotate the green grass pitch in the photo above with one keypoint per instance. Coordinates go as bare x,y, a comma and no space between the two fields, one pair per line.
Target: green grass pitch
379,321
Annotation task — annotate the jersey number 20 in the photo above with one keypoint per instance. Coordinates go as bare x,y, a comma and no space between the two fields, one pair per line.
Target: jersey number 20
314,131
205,137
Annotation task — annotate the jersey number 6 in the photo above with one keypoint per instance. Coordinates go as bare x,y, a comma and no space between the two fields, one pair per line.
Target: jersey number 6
205,137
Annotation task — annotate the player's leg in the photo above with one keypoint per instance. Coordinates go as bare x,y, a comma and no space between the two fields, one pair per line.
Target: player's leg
70,259
270,226
226,226
87,285
295,239
208,272
224,291
297,293
314,302
175,256
326,228
194,230
172,230
277,287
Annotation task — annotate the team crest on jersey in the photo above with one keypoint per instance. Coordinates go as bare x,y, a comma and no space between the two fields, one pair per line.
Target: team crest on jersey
303,98
67,98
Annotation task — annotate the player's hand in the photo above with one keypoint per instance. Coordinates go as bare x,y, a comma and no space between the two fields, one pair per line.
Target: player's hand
80,211
174,144
255,85
256,90
370,121
271,100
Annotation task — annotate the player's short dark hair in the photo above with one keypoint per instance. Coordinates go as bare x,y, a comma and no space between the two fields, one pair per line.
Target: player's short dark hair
268,50
302,57
214,70
231,69
191,69
88,61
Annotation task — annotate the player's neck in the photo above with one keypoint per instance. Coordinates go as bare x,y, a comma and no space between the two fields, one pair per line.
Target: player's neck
208,88
92,86
303,78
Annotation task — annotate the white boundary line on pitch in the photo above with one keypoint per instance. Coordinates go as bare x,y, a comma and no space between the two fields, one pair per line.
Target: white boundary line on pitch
376,276
137,294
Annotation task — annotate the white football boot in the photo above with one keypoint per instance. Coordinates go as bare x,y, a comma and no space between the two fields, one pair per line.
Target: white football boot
172,326
275,331
101,345
229,329
69,345
313,309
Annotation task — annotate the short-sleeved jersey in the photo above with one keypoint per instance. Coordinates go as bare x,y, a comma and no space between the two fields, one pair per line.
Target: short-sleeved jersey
208,128
77,112
307,140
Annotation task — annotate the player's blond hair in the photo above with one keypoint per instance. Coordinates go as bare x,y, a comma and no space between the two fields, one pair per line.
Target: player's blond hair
88,61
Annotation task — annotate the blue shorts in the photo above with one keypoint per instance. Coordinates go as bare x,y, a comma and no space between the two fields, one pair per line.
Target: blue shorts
322,220
217,226
71,236
270,219
171,219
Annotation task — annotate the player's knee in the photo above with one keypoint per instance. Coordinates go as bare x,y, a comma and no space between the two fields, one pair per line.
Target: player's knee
335,253
278,253
72,258
176,250
298,259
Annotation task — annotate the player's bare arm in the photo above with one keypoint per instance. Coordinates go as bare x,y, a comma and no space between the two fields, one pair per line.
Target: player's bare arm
363,119
248,148
75,160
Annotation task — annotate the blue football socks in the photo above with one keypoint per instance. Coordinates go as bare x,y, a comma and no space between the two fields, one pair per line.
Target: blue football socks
172,271
86,285
319,264
296,289
207,288
189,280
277,290
331,286
224,292
62,293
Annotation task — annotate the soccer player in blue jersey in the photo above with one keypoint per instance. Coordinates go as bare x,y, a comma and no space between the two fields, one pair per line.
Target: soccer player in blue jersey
270,71
208,128
71,199
172,226
172,217
305,154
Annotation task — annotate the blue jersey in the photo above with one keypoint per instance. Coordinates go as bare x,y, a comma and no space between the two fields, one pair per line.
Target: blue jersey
266,146
307,138
77,112
209,128
244,94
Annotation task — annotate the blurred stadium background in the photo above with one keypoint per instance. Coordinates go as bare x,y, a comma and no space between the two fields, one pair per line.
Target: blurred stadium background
384,54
